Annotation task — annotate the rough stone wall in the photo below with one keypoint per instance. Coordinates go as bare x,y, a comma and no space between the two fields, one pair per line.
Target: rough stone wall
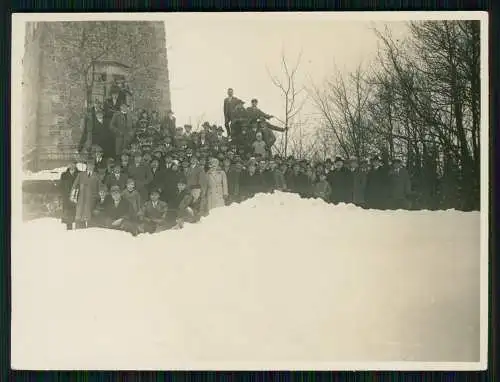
54,128
30,89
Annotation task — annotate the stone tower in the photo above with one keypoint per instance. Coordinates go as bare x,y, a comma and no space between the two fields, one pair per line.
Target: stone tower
66,61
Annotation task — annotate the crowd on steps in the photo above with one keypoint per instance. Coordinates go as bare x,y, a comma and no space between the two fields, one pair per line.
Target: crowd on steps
145,174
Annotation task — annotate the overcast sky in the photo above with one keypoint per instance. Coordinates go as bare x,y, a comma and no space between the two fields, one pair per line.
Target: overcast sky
209,53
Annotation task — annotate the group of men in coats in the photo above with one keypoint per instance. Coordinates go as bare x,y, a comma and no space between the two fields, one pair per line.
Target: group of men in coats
244,125
113,201
121,189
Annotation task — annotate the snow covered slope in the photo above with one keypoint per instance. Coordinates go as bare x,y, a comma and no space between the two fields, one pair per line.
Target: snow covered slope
276,279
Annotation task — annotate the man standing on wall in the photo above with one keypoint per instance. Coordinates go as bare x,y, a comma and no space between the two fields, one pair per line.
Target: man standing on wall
230,103
112,104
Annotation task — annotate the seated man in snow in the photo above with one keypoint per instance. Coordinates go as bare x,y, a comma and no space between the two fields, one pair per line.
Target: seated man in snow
116,178
176,198
133,197
189,209
117,213
153,215
98,218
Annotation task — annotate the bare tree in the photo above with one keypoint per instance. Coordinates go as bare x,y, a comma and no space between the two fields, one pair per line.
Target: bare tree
294,95
436,84
343,104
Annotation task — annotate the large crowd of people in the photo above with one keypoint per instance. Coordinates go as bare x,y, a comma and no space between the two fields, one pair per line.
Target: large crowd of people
144,174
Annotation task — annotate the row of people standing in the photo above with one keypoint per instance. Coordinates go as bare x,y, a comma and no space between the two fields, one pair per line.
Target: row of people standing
232,180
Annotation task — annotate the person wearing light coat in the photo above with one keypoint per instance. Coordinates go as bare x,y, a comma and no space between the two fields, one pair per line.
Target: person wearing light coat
84,193
217,190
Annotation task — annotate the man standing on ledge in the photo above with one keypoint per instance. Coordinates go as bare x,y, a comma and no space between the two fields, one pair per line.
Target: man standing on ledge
230,103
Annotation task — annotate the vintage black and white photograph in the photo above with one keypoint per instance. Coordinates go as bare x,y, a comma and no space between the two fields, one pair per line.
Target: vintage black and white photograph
250,191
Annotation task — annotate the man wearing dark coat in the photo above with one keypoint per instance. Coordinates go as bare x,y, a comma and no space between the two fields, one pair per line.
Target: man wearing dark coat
377,185
169,124
122,126
239,119
124,91
117,213
358,183
230,103
252,182
96,132
254,113
176,199
259,118
116,178
400,184
112,105
153,215
167,180
296,180
189,209
340,182
65,185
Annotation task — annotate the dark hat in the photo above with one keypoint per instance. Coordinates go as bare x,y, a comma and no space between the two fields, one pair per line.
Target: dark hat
396,160
254,100
115,188
220,128
195,187
182,180
376,158
205,124
328,160
114,89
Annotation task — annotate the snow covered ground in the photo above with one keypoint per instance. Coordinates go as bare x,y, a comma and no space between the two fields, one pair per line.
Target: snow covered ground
276,281
54,174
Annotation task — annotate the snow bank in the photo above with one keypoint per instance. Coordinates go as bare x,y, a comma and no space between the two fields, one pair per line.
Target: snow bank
276,279
54,174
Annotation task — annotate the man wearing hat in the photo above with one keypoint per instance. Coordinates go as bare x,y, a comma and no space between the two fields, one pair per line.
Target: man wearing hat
65,185
111,104
400,186
153,215
189,209
122,126
340,182
97,132
98,219
98,157
377,185
175,200
169,123
118,211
